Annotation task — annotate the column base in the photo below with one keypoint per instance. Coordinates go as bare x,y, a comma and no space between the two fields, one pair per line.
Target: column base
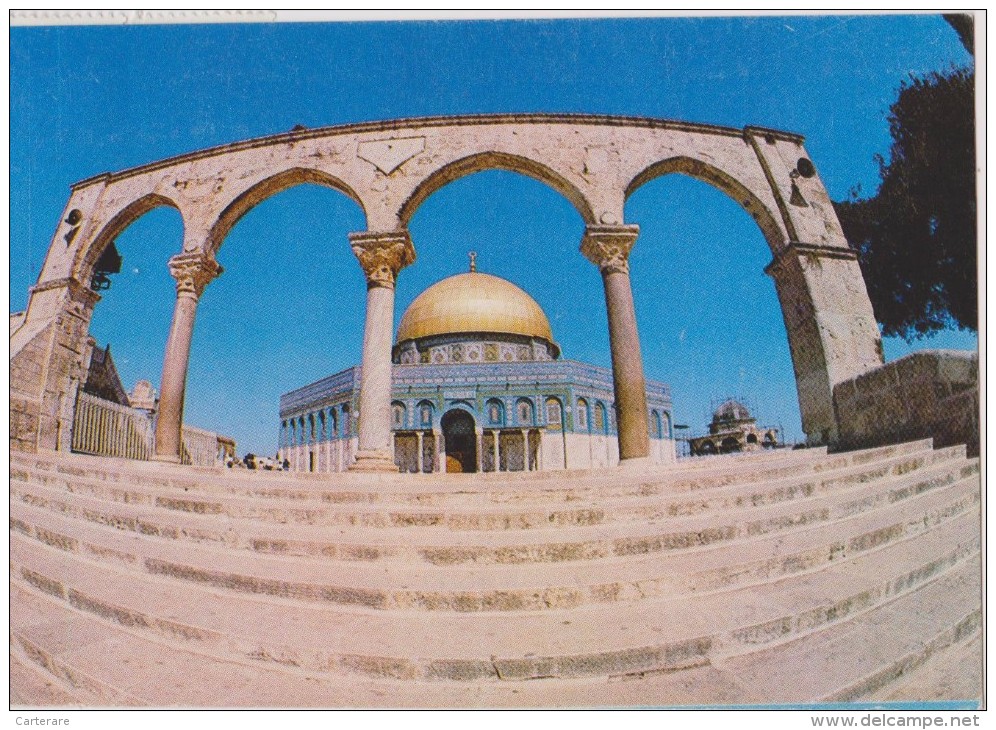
636,462
374,461
165,458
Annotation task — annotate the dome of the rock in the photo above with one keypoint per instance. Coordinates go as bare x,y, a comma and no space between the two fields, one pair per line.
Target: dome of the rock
474,303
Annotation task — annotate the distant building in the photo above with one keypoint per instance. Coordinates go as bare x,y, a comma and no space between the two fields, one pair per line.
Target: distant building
478,386
733,429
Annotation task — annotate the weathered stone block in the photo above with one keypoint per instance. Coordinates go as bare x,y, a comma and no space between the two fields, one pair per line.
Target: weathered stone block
931,394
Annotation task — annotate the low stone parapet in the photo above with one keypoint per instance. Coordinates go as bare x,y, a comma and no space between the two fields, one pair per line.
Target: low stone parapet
930,394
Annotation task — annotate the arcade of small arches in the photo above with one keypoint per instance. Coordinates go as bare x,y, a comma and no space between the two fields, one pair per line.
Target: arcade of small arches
389,169
505,434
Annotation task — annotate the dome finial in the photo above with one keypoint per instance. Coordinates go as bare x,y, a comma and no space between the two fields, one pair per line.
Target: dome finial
473,261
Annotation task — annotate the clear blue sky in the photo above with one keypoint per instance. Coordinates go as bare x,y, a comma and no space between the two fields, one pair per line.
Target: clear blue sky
289,308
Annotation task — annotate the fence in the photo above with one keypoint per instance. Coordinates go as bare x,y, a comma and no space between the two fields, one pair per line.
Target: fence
104,428
200,447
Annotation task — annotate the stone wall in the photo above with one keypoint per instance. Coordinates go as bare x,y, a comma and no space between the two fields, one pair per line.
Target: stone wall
27,370
930,394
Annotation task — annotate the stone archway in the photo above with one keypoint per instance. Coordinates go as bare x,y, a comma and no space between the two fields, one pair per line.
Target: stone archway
460,441
389,168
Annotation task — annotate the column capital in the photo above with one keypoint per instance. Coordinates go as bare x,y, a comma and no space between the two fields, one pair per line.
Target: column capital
193,271
608,247
382,255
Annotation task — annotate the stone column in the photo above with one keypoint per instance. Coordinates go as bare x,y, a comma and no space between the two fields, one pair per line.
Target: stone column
382,256
608,247
497,450
525,449
480,450
831,328
192,271
421,465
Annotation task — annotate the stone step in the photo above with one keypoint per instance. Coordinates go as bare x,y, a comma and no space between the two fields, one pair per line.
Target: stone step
955,673
641,636
544,487
66,685
852,661
464,514
161,674
444,547
32,686
523,586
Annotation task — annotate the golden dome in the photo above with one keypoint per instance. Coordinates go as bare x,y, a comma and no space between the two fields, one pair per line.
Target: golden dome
474,302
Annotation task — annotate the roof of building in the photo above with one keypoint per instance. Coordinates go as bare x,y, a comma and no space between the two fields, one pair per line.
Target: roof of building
474,302
731,410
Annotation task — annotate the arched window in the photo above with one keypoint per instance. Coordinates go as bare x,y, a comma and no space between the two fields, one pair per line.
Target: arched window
496,412
333,424
666,425
311,427
655,425
425,414
581,414
752,438
554,413
301,438
283,434
524,412
730,445
601,422
398,413
322,435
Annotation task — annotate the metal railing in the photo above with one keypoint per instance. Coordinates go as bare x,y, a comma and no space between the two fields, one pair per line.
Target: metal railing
103,428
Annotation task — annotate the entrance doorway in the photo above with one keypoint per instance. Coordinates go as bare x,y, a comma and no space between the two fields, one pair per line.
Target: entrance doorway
461,441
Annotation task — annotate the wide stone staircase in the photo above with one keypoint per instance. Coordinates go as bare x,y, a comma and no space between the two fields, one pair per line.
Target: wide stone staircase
785,577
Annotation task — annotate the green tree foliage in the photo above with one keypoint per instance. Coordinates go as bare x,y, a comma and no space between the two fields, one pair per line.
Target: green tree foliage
917,236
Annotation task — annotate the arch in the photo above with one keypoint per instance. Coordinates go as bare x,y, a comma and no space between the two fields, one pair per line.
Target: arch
399,415
730,445
752,438
721,180
601,424
554,412
347,421
459,434
666,425
333,424
706,448
582,420
88,255
525,412
321,426
426,411
492,160
311,428
495,412
256,194
657,427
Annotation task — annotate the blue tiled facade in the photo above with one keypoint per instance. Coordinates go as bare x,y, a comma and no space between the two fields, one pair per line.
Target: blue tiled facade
543,400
